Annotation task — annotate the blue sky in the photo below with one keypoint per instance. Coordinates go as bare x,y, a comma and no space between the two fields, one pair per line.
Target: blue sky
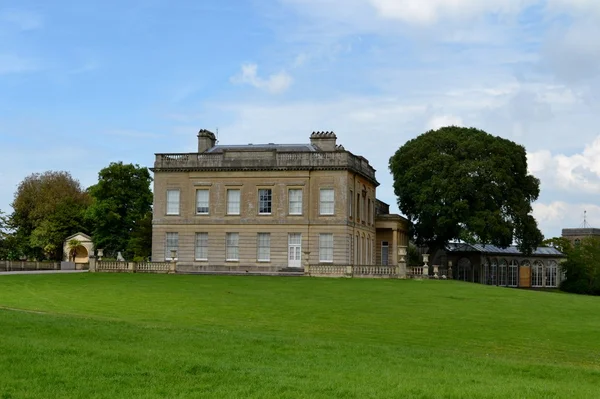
86,83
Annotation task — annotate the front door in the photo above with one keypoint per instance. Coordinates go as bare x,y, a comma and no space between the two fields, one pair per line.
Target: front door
294,250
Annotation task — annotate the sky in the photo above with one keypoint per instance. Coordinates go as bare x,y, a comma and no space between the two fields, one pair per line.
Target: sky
86,83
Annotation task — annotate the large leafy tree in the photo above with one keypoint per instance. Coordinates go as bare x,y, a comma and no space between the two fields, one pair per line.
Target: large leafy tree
48,207
121,210
6,238
582,268
459,183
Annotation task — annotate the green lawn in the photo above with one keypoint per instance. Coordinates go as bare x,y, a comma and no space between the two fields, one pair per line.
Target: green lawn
163,336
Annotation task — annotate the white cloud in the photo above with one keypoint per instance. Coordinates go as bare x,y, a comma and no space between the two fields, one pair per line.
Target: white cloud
554,216
431,11
575,173
274,84
439,121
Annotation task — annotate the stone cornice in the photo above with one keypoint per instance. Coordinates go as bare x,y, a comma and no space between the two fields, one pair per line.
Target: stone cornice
264,161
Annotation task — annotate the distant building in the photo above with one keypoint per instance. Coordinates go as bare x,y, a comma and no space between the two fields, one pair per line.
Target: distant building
576,235
507,267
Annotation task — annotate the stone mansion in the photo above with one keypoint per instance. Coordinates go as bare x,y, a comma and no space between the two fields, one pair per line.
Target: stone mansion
272,207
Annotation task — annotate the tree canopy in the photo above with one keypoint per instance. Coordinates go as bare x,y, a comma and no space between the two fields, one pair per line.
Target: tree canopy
47,208
459,183
582,268
122,210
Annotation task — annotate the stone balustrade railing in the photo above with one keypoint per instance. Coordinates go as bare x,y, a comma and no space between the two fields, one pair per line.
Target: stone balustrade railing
415,270
132,267
381,271
10,265
257,160
153,267
109,266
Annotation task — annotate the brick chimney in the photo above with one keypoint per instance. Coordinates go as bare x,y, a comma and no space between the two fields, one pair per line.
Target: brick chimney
324,141
206,140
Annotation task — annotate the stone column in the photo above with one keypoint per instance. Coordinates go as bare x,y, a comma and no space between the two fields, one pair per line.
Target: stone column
394,247
92,260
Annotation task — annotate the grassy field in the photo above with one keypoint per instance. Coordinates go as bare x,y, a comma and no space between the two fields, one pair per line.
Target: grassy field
159,336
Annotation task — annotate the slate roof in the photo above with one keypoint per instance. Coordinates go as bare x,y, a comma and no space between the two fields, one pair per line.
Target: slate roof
264,147
492,249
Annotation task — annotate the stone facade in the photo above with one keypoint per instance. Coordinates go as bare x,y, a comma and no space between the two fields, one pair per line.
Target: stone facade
576,235
268,207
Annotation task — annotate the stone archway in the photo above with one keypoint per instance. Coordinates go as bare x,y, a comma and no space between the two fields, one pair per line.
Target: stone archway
82,252
464,270
81,255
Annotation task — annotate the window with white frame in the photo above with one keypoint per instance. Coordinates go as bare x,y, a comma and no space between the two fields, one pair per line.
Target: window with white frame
327,201
233,202
202,202
537,274
201,246
232,246
295,201
172,202
263,247
326,247
551,273
171,244
265,198
502,272
513,273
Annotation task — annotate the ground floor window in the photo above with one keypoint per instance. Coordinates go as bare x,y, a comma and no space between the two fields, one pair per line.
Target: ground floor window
551,274
263,245
537,274
513,273
171,244
385,248
201,246
464,269
493,276
232,250
326,247
502,272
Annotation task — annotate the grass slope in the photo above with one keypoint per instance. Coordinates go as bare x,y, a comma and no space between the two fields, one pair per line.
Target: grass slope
158,336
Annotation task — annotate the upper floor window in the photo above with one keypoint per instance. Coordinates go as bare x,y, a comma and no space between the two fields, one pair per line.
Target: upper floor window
326,203
265,197
172,202
295,201
233,202
362,209
358,207
202,202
